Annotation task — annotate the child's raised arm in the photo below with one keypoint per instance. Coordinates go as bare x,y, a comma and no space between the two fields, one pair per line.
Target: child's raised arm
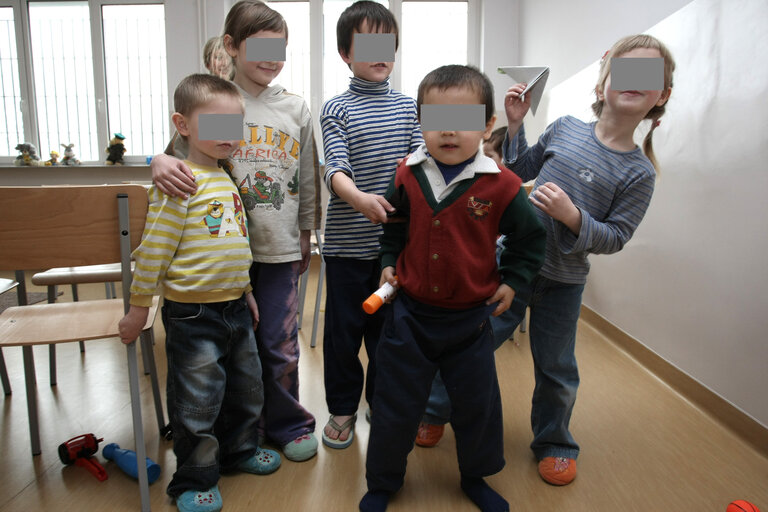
172,176
516,108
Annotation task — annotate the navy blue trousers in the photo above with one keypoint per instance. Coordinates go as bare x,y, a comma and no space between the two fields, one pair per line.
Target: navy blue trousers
349,282
416,341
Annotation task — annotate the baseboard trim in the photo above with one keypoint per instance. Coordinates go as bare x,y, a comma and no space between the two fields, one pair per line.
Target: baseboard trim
732,418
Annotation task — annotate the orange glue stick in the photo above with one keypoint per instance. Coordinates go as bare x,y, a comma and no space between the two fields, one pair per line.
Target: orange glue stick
377,298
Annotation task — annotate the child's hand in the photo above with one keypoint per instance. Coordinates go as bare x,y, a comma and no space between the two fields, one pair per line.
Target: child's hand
172,176
504,295
388,276
132,324
251,301
516,108
373,206
551,199
306,250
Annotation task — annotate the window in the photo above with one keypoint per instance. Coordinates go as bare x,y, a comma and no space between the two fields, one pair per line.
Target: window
12,123
295,76
428,46
95,67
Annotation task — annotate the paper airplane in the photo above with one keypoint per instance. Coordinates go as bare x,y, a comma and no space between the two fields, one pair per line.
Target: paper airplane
534,76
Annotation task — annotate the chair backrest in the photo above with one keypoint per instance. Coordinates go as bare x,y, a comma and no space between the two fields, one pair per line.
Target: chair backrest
63,226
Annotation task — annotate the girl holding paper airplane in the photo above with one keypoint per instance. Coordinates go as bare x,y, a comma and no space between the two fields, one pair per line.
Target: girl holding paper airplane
593,187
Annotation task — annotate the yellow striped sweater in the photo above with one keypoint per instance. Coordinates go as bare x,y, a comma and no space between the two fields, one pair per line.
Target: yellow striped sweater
197,249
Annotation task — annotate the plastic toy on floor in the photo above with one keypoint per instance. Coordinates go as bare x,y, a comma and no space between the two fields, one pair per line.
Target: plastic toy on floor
27,155
54,159
116,150
69,155
79,451
126,460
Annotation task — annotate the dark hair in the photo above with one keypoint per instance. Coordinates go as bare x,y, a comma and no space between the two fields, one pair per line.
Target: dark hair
198,89
496,140
353,17
455,75
247,17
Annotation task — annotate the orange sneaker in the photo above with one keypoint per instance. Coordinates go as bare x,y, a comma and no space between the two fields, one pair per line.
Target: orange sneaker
429,435
557,470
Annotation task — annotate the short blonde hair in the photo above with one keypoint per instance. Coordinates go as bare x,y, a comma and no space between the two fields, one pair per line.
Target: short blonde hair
198,89
621,47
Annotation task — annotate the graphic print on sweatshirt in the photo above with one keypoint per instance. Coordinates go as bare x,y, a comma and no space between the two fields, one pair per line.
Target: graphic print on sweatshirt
223,220
271,159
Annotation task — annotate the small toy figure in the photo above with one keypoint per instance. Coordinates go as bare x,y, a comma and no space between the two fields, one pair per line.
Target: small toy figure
69,155
54,159
116,150
28,155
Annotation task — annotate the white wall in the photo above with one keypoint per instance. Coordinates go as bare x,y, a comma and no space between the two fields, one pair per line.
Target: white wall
692,284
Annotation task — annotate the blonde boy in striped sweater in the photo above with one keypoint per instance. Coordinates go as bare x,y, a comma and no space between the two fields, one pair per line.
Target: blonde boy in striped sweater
197,250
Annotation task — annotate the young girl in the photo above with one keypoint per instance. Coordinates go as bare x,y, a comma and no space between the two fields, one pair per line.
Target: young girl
276,173
593,186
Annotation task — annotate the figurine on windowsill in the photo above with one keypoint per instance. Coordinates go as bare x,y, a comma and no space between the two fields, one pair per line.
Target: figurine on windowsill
54,159
69,155
116,150
27,155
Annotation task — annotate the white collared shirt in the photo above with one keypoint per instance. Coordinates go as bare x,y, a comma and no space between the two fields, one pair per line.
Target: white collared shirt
480,165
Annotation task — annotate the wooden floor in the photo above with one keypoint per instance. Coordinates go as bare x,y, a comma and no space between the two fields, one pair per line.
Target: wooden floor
643,447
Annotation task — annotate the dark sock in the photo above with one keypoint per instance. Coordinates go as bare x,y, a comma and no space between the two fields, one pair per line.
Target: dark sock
482,495
374,501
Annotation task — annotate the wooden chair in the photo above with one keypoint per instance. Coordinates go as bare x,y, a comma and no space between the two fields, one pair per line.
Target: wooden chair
6,285
48,227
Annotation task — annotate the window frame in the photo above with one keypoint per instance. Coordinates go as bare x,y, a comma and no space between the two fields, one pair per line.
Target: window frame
27,77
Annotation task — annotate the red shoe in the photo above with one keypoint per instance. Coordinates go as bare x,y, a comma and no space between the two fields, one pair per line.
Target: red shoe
429,435
557,470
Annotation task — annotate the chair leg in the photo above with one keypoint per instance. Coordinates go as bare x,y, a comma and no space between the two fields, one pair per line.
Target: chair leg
138,432
52,363
75,298
147,342
303,278
4,375
523,326
31,385
145,355
318,297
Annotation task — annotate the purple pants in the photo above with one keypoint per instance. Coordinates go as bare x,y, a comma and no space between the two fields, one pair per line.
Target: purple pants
275,287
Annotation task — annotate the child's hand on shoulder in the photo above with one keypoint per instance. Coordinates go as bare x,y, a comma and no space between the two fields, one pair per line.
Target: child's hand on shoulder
504,295
172,176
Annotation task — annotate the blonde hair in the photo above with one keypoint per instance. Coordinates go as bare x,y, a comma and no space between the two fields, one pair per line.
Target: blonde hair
198,89
621,47
213,46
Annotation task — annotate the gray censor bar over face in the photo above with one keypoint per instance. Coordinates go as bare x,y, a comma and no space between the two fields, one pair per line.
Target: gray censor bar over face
259,49
374,47
220,126
637,74
449,118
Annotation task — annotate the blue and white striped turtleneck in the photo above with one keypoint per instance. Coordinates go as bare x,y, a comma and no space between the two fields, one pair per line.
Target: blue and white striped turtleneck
365,130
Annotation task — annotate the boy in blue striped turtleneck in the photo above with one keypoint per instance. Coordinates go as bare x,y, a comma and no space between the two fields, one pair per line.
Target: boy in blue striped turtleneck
366,130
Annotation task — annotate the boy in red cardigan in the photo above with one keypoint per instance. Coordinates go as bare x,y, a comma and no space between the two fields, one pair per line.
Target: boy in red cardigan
454,202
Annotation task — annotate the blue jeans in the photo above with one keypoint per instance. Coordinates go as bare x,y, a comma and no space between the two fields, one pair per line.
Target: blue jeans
555,309
349,282
438,410
275,287
214,389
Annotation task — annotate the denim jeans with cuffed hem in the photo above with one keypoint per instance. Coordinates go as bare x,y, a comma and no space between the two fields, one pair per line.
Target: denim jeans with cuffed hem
555,309
275,287
438,410
214,389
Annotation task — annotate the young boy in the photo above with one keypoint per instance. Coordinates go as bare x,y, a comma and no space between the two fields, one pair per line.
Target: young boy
456,202
197,249
365,131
